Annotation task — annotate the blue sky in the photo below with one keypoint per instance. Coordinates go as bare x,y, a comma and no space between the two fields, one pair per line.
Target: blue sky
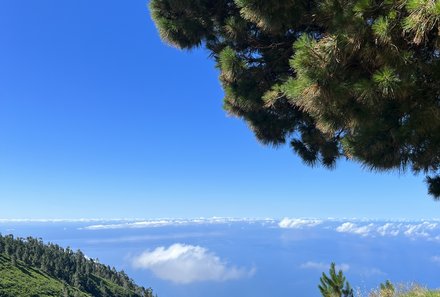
98,118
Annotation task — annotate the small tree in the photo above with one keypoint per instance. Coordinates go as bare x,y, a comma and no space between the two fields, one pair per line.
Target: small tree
387,289
335,284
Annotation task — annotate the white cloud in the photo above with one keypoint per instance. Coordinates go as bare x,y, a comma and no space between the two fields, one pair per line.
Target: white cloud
315,265
298,223
137,224
171,236
323,266
346,227
184,264
349,227
424,229
420,230
389,229
141,224
80,220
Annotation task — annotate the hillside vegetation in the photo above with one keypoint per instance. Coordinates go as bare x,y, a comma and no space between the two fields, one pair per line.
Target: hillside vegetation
28,267
335,285
414,292
421,293
19,279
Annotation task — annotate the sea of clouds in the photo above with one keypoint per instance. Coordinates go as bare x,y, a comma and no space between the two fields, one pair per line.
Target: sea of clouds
428,229
185,251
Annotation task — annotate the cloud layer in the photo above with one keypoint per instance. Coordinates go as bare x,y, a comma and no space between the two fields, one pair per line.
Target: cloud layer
349,227
184,264
425,229
177,222
298,223
422,229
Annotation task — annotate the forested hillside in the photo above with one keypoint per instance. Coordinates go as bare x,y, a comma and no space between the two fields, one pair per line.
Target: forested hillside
28,267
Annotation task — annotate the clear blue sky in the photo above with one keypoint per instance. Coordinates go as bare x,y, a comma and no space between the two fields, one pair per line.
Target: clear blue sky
98,118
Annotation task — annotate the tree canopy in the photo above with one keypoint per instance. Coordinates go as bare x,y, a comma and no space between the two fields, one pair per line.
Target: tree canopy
356,79
74,269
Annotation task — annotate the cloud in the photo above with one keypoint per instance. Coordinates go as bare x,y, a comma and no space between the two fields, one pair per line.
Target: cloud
184,264
389,229
141,224
420,230
140,238
323,266
137,224
80,220
298,223
349,227
424,229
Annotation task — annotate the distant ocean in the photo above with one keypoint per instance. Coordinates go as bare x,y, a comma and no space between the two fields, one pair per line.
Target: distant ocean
223,257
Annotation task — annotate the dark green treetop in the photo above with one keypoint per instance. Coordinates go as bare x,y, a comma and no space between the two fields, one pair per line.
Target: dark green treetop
333,78
335,284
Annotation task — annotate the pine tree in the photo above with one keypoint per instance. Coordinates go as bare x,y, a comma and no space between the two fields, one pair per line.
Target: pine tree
355,79
335,284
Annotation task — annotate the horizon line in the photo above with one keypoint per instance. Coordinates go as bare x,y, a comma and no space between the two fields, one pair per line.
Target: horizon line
225,218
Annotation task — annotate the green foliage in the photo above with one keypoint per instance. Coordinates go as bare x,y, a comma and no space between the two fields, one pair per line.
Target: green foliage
28,267
434,185
273,16
26,281
179,25
387,289
381,29
333,78
424,16
231,66
335,284
420,293
387,81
